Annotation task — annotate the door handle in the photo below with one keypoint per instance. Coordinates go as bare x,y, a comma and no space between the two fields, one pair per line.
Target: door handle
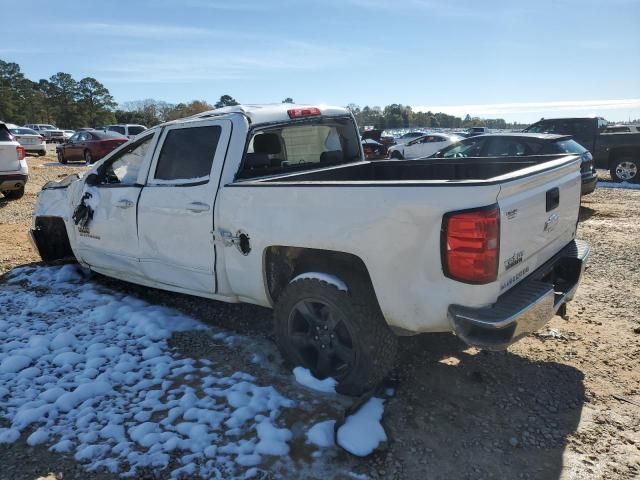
124,203
198,207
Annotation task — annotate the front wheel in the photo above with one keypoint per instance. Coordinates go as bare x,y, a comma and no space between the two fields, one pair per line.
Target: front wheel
625,169
88,159
396,155
335,334
61,158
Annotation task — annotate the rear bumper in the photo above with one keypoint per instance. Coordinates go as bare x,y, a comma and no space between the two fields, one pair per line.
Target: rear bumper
527,306
589,182
12,182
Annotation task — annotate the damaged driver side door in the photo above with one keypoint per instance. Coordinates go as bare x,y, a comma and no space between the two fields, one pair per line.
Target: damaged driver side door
107,232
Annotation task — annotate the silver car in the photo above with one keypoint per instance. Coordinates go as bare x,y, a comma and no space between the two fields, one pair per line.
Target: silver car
31,140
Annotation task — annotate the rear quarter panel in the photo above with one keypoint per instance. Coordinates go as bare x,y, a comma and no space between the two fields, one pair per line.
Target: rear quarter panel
394,229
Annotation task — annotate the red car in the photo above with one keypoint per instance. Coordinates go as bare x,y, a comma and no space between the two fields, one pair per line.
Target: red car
89,146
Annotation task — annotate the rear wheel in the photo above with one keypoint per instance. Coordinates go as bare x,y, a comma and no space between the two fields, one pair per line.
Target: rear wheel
88,159
42,154
61,158
625,169
14,194
334,334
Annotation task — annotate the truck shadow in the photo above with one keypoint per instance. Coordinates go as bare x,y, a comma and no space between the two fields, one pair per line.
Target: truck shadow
464,413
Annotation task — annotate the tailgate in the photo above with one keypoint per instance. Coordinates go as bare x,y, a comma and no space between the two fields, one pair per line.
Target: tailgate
538,217
8,157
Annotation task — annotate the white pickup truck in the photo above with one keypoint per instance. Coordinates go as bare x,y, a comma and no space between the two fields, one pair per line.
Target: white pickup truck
274,205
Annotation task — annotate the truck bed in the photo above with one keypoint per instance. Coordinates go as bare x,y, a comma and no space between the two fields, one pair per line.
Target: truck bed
483,170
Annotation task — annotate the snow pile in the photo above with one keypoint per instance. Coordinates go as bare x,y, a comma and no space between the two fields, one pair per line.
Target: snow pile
304,377
631,186
362,432
87,371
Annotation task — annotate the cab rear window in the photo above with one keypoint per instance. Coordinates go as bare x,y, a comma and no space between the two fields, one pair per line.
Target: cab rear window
303,146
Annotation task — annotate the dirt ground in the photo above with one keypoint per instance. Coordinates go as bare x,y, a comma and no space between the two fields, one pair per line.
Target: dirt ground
564,403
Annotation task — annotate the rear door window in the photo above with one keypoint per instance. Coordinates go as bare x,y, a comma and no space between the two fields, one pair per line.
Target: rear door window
187,153
467,148
506,146
5,134
134,130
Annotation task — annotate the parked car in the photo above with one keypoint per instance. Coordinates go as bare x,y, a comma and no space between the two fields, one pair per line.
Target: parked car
422,146
31,140
275,205
373,150
68,134
377,135
473,131
617,152
407,137
89,146
128,130
525,144
48,131
14,172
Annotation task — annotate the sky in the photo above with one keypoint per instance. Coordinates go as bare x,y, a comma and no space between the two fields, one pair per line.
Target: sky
518,60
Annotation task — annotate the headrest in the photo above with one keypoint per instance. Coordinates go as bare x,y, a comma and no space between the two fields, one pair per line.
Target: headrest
256,160
267,143
331,156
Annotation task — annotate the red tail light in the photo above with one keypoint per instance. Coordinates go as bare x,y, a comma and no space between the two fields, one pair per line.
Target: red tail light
303,112
470,245
21,152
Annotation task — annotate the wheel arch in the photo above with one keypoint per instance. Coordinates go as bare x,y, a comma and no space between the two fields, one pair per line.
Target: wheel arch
616,153
283,263
51,239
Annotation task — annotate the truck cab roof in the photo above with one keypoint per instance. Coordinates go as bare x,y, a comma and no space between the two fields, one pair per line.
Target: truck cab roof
271,113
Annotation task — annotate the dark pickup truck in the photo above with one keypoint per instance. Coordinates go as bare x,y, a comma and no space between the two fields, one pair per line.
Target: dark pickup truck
617,152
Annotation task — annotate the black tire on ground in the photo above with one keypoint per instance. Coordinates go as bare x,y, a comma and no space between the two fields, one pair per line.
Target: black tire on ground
14,194
625,168
396,155
347,337
42,154
88,159
61,158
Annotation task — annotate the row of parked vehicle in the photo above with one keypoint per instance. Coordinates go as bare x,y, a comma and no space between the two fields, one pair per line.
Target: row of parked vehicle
612,147
86,144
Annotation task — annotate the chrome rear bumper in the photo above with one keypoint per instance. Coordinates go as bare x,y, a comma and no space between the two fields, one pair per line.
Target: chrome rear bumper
526,307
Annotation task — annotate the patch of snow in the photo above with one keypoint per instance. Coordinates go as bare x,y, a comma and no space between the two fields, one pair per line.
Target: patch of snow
304,377
15,363
325,277
322,434
88,371
630,186
362,432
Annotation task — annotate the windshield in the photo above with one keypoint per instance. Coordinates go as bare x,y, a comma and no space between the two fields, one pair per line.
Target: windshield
304,146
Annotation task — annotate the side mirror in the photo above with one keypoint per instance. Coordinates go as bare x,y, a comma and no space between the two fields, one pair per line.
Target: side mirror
92,180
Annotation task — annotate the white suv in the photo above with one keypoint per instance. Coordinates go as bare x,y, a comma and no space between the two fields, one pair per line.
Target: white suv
126,129
13,166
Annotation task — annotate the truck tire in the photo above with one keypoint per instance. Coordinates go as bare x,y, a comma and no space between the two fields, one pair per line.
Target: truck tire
334,334
625,169
14,194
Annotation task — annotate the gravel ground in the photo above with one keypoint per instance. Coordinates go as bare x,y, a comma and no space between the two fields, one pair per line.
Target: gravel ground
564,403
